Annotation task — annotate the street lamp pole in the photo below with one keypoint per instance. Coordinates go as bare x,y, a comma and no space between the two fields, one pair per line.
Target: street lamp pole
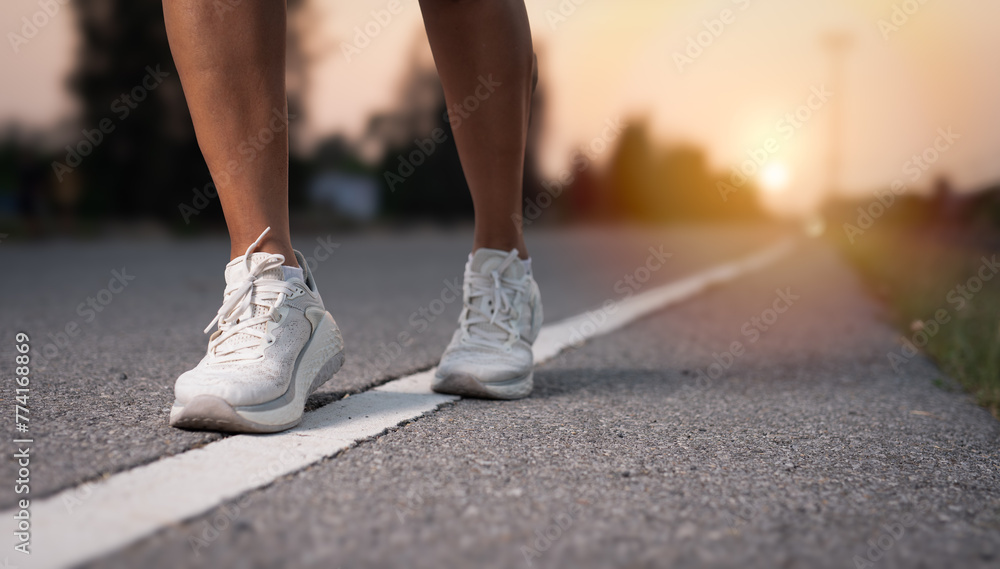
837,44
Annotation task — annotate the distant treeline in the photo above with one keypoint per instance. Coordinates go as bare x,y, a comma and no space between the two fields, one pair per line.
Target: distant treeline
942,210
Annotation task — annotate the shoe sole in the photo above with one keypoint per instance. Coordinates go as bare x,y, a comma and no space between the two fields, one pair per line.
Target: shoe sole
468,386
322,357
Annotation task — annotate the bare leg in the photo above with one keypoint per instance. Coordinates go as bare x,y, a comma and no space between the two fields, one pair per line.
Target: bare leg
232,67
474,41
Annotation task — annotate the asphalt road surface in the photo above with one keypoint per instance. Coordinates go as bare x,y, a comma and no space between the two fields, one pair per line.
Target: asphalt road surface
801,448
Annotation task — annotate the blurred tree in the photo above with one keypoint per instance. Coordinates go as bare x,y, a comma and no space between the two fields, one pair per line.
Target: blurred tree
424,178
650,184
25,196
419,169
688,187
693,189
420,172
307,44
146,162
632,175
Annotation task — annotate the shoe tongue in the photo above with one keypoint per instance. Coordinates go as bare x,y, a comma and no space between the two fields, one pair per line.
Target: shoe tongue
485,261
236,270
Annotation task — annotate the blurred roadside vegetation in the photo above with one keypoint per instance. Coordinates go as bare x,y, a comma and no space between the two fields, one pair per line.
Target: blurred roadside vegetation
934,262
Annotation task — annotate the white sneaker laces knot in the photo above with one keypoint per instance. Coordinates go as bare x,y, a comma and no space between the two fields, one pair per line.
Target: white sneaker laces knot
502,310
236,316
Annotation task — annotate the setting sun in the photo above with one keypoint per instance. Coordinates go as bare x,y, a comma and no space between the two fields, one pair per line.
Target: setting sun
774,178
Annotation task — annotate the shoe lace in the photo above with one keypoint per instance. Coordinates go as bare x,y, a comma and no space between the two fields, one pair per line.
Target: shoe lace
496,326
236,316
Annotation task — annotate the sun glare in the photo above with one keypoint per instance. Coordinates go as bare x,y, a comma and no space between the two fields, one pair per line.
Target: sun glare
774,178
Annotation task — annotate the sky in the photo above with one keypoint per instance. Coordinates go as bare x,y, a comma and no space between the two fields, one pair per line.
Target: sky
912,71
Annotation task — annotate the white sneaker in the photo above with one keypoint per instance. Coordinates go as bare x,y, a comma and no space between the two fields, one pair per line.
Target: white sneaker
274,346
490,354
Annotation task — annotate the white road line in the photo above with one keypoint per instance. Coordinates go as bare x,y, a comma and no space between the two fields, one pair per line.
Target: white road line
92,520
618,313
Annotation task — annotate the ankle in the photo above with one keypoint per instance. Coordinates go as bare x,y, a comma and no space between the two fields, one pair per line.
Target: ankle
274,246
501,244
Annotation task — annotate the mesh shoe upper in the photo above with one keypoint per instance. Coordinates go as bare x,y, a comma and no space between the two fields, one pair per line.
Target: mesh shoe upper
262,328
500,319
